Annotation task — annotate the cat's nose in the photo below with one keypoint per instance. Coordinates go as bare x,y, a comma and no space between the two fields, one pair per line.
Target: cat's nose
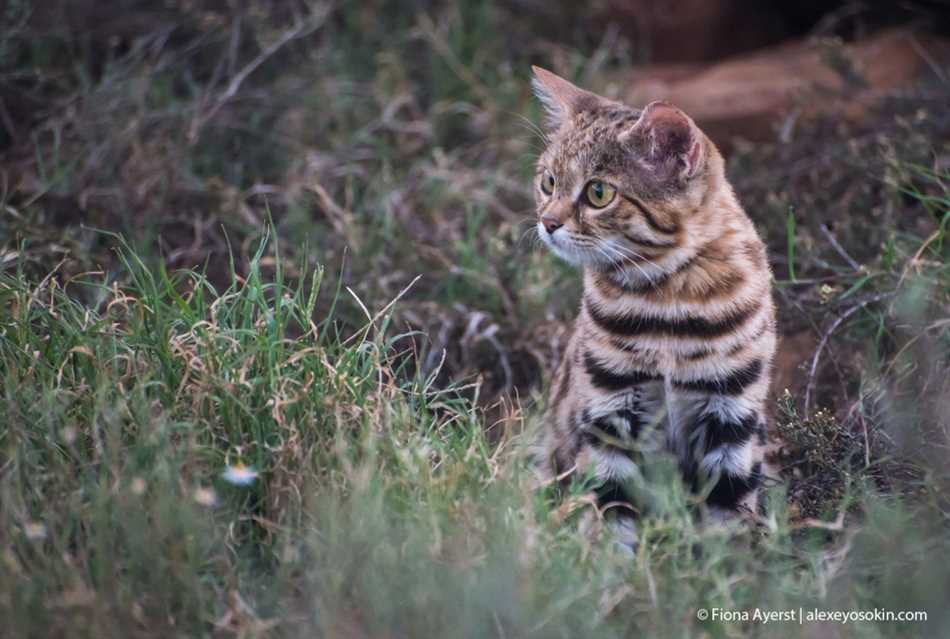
550,223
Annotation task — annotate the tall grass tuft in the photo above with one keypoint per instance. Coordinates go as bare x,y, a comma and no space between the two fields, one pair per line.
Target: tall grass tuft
185,461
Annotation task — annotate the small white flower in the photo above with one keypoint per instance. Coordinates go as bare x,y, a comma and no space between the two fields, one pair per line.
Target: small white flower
205,497
290,554
68,434
138,486
239,475
34,531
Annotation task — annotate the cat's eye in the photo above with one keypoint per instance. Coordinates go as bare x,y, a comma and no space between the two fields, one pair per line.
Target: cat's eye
547,182
599,194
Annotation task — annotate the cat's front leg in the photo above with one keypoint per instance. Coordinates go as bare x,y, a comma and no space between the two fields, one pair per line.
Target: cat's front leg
724,455
612,437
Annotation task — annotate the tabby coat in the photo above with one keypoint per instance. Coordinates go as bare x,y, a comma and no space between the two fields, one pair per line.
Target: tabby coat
676,330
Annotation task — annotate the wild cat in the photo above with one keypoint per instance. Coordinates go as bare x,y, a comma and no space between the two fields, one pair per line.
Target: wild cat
676,330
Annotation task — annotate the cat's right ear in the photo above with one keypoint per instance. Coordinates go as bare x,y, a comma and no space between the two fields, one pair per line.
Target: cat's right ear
668,140
561,99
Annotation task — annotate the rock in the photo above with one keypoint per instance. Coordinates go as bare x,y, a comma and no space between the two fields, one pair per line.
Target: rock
697,30
750,96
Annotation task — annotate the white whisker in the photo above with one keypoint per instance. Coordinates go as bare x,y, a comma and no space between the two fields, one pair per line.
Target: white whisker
532,127
634,258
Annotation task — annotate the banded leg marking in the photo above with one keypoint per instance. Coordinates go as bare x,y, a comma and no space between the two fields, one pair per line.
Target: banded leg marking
721,451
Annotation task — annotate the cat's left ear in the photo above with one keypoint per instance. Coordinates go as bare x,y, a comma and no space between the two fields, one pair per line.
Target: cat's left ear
561,99
669,140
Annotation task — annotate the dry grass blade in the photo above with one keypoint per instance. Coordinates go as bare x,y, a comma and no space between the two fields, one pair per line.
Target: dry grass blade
300,29
823,342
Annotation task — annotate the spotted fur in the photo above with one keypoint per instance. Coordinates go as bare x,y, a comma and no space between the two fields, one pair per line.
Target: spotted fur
676,328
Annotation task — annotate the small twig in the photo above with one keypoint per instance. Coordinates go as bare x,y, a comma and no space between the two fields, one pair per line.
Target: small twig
838,248
867,441
372,318
856,411
498,626
824,342
340,218
925,55
835,526
430,32
913,340
234,45
914,261
299,29
7,121
42,286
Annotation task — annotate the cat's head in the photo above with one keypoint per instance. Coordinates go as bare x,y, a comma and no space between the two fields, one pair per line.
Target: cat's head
619,187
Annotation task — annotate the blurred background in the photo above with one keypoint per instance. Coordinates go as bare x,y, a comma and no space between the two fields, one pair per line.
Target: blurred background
387,140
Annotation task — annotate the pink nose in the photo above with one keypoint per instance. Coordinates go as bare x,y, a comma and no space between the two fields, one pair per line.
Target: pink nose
551,224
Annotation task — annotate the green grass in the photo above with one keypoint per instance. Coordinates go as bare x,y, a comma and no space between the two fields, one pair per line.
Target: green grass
255,299
383,506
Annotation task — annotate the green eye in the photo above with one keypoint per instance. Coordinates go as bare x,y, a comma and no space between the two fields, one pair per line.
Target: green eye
547,182
599,194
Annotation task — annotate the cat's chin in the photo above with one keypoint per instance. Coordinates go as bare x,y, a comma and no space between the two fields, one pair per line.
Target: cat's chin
566,254
574,255
580,257
569,253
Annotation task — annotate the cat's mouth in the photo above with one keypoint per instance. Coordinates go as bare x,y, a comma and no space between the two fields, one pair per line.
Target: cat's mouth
575,250
608,255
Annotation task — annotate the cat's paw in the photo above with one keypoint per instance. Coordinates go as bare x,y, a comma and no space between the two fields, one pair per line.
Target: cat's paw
623,529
